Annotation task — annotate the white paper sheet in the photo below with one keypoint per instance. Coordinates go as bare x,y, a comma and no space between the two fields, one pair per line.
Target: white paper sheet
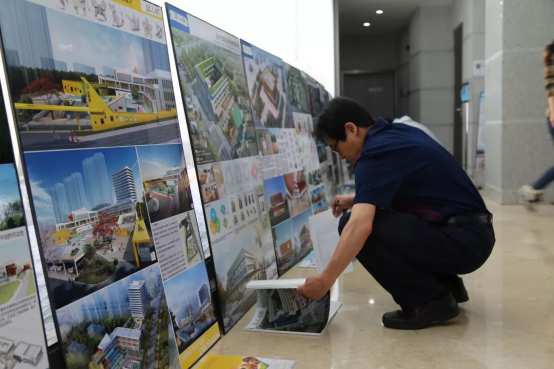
275,284
334,309
325,237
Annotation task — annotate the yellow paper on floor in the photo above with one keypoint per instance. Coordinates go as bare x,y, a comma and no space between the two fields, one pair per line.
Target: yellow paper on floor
243,362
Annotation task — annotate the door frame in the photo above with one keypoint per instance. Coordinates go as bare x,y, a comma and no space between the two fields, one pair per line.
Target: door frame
457,136
374,72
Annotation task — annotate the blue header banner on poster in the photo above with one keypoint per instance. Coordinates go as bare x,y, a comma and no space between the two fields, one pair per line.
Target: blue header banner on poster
465,93
178,19
247,50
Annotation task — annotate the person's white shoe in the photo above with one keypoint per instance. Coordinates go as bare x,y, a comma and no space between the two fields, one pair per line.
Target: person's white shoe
529,194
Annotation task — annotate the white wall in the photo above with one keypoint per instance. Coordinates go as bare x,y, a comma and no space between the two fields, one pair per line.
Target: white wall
301,32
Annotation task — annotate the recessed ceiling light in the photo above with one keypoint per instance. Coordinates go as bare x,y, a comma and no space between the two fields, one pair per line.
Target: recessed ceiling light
366,24
379,12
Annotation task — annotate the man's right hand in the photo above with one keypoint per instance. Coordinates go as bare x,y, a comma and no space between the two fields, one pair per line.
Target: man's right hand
342,203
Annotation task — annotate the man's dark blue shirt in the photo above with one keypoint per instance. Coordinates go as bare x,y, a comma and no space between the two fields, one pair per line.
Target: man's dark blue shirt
402,168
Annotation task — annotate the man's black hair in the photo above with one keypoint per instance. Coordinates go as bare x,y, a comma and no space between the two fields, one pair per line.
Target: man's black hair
338,112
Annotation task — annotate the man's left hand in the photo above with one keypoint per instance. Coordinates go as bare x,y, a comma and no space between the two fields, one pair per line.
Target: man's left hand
315,287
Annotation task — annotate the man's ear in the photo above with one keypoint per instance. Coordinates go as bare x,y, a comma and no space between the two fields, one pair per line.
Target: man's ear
351,127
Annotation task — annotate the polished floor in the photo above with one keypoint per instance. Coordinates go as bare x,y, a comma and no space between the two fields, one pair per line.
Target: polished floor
508,322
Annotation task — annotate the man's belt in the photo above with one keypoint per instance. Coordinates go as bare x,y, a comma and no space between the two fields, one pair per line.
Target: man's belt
470,219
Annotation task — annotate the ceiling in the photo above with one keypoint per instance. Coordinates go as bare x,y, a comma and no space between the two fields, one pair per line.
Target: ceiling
397,14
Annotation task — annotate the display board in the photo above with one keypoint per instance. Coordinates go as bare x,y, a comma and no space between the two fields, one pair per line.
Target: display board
22,338
111,196
319,97
215,90
316,97
289,160
6,149
288,153
325,96
257,163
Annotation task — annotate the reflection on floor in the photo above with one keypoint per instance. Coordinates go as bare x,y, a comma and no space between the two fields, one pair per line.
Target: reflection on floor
507,323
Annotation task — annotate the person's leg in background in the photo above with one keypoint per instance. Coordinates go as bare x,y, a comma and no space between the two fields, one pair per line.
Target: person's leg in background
533,193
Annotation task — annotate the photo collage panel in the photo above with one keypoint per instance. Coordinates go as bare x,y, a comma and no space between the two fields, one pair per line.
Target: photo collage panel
289,156
240,232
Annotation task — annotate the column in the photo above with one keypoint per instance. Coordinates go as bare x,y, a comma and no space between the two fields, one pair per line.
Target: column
518,146
431,71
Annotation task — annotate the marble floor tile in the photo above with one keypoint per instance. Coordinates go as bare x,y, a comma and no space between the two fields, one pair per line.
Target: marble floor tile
507,323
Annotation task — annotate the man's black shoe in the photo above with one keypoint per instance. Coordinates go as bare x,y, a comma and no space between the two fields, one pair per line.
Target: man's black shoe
423,316
456,286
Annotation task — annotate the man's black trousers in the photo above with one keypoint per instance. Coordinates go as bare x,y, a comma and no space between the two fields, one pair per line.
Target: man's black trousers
413,260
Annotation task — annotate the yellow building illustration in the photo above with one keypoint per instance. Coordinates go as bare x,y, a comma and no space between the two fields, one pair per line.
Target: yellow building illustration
153,184
78,88
61,236
121,232
141,242
102,115
108,119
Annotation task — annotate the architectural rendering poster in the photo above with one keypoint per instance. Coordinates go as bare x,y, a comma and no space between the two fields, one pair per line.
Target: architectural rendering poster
316,97
97,120
284,310
297,87
212,79
22,342
265,74
280,309
88,76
